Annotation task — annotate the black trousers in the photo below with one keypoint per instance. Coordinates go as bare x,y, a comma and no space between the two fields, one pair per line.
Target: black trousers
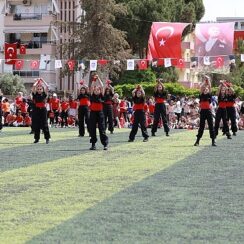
64,118
83,117
139,118
108,116
97,118
56,114
1,114
39,122
206,114
231,115
221,114
160,111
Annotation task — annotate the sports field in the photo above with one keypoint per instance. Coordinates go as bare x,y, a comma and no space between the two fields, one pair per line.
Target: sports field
161,191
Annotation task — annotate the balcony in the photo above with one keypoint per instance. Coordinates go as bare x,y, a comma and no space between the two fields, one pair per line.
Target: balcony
27,74
37,48
28,20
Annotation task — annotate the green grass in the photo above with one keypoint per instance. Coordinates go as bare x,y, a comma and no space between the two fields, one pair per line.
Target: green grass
165,190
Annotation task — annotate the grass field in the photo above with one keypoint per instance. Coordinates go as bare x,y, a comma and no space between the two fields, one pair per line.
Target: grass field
162,191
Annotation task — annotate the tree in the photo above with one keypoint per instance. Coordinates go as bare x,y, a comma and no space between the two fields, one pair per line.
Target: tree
11,84
95,37
237,74
141,14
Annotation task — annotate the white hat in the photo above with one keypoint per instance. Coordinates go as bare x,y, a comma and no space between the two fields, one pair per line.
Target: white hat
54,94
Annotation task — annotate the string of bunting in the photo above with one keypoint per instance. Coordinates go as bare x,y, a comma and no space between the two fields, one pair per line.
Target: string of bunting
131,64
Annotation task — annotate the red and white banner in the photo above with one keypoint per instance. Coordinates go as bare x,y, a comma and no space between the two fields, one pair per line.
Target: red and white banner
19,64
34,64
22,49
102,61
71,64
10,50
142,64
165,40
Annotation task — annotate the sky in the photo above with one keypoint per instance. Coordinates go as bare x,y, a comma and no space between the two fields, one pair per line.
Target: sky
222,8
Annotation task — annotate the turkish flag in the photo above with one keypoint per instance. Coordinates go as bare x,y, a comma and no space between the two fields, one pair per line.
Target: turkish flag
102,61
35,64
19,64
142,64
157,62
71,64
10,51
165,40
219,62
22,49
181,63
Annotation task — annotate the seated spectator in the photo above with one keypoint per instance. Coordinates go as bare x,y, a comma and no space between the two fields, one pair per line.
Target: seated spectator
27,120
19,121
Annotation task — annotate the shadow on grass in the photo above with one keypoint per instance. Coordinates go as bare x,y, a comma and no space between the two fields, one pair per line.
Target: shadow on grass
198,200
29,153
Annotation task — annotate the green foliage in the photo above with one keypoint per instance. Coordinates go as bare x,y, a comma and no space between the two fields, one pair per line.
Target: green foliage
172,88
141,13
149,75
137,76
11,84
237,74
167,74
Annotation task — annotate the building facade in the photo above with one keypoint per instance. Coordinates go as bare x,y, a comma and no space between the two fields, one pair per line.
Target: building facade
33,23
30,23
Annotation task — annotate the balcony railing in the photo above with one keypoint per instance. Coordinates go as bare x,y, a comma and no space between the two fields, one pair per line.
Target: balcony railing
35,44
27,73
28,16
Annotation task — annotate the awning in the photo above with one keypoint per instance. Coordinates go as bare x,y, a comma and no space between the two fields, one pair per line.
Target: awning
54,31
36,29
55,5
3,9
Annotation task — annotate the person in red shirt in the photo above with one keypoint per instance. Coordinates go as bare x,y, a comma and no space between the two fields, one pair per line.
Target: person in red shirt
71,121
205,113
39,114
151,106
10,119
83,110
96,114
72,107
221,113
138,96
1,113
230,108
123,109
64,112
55,106
27,120
19,121
160,95
23,107
18,101
108,108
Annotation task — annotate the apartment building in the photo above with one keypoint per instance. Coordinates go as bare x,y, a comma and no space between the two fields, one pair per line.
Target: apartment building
31,23
70,11
188,76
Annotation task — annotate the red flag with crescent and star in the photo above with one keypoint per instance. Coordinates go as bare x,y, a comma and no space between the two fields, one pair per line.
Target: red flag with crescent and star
219,62
35,64
102,61
22,49
19,64
181,63
165,40
142,64
71,64
10,50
